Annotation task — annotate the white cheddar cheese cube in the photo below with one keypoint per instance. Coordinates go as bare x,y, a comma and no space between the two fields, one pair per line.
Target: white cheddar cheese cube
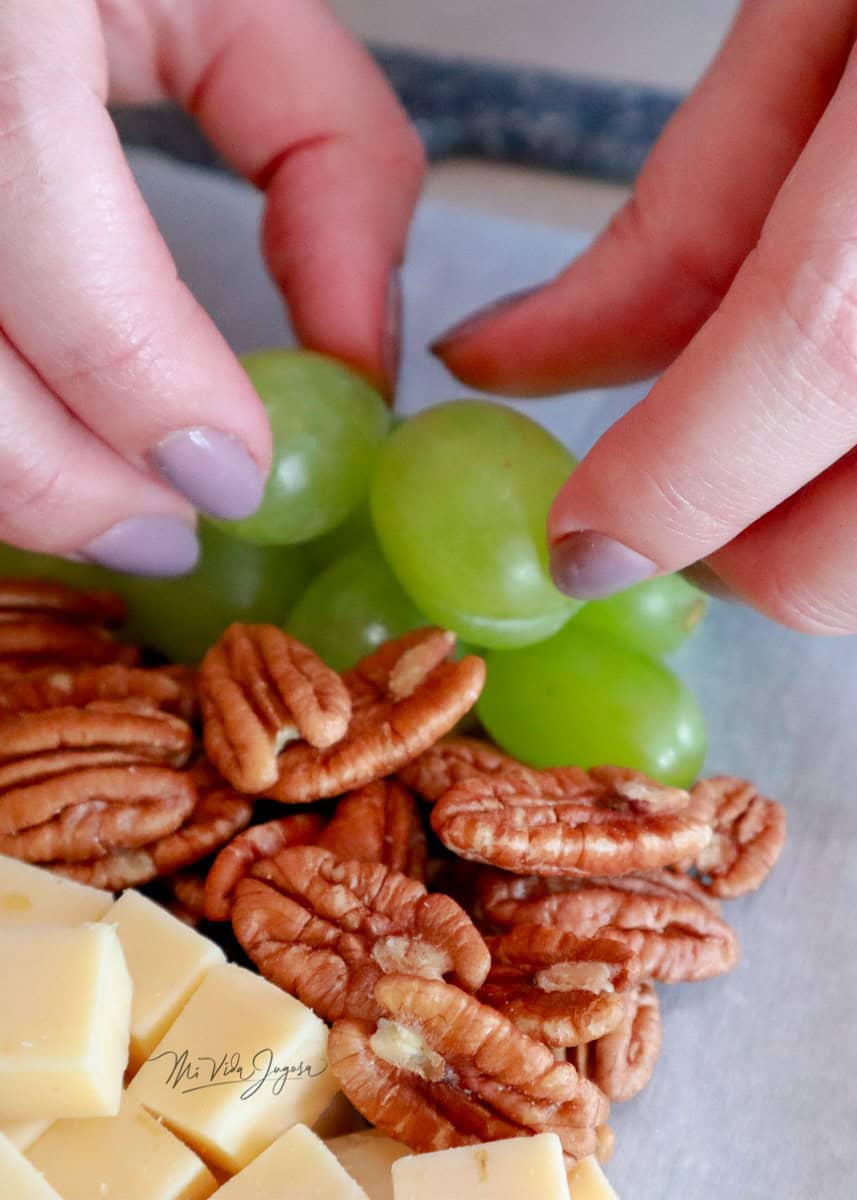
127,1157
23,1133
506,1170
368,1157
298,1166
19,1179
167,961
65,1015
587,1181
243,1062
34,896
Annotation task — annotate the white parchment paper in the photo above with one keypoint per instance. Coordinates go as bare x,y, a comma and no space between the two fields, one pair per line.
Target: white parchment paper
755,1095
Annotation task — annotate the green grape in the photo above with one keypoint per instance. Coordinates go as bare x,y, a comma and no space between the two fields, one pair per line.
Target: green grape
655,616
459,499
354,530
24,564
327,424
233,581
353,606
582,698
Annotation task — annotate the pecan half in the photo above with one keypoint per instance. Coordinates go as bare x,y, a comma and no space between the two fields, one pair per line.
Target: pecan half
325,929
450,761
37,745
185,896
217,814
237,858
87,813
46,598
440,1069
161,688
622,1062
608,821
36,641
677,936
556,987
379,823
261,689
388,727
749,832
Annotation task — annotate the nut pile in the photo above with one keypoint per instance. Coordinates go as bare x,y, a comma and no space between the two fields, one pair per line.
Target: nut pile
482,937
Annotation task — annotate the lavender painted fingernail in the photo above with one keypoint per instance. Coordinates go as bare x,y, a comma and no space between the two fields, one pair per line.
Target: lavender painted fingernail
213,469
590,565
702,577
156,546
476,320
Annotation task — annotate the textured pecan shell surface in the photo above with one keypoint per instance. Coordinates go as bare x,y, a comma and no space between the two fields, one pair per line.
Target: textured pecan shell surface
379,823
325,928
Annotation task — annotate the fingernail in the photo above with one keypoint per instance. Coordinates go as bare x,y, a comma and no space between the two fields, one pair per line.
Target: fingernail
702,577
213,469
476,320
392,345
157,546
590,565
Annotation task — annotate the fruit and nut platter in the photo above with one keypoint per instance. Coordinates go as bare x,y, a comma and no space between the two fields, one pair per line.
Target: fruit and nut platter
356,864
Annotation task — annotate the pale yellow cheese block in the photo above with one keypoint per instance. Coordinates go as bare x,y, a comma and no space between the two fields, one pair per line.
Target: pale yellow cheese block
368,1157
23,1133
243,1062
587,1181
33,896
65,1011
19,1179
167,960
298,1166
508,1170
127,1157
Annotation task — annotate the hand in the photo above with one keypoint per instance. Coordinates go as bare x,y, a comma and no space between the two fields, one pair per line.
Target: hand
120,400
736,262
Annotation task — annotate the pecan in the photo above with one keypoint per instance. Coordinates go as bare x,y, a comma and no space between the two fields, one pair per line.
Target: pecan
622,1061
46,598
450,761
186,896
41,642
261,689
35,746
607,821
388,727
749,832
161,688
379,823
556,987
325,928
217,813
440,1069
237,858
87,813
677,936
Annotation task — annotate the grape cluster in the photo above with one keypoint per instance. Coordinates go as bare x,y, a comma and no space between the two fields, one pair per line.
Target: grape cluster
367,531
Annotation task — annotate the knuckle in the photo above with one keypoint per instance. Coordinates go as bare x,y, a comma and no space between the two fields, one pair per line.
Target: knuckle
32,492
807,609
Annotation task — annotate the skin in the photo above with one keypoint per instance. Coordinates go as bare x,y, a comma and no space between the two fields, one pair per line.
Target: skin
103,351
732,270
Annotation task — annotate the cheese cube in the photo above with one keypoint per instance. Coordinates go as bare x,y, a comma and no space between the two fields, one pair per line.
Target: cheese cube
23,1133
33,896
167,961
19,1179
127,1157
587,1181
299,1166
243,1062
506,1170
368,1157
65,1013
